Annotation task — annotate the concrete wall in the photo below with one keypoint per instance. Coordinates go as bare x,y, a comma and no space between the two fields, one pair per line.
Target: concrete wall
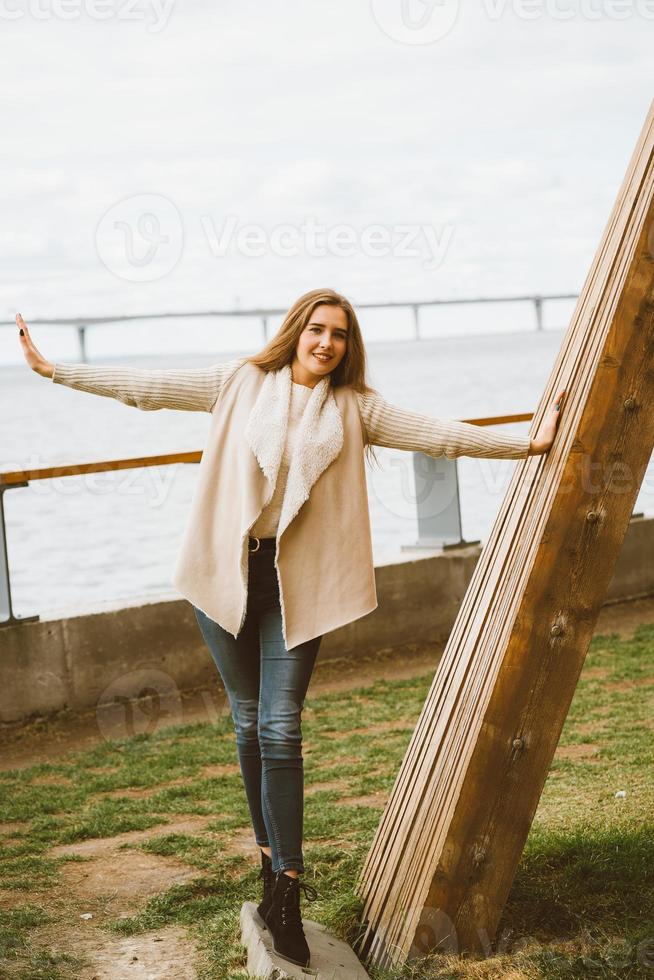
96,659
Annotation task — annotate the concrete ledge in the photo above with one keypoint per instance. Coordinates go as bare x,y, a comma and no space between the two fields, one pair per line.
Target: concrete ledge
331,958
103,659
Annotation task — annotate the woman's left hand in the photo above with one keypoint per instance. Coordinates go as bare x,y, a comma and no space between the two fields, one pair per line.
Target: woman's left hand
544,438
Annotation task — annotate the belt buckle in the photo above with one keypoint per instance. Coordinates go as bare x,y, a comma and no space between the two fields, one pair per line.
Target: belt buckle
252,550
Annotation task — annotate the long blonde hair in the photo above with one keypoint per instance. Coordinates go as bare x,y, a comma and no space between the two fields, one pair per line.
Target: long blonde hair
280,349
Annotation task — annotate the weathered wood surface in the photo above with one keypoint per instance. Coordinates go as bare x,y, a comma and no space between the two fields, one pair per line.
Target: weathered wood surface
445,853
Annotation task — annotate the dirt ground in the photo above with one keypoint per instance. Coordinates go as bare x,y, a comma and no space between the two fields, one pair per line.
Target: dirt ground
113,881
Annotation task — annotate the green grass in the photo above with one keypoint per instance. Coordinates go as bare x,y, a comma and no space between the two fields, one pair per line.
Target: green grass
15,927
581,905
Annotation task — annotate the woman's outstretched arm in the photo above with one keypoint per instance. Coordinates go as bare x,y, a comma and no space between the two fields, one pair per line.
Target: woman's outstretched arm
397,428
191,389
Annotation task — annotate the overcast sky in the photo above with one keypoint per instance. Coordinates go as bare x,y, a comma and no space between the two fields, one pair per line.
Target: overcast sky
392,149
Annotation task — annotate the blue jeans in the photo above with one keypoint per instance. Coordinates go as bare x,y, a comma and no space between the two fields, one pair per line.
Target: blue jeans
266,686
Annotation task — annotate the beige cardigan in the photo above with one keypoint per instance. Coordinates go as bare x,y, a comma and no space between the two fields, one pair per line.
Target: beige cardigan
324,552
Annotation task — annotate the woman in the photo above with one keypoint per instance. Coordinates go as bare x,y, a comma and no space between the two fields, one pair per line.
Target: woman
277,550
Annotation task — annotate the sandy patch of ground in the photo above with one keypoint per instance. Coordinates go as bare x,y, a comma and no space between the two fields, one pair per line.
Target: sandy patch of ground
191,824
595,673
335,784
51,780
589,727
344,760
584,750
112,883
116,884
624,687
167,953
11,899
13,827
378,798
142,793
241,841
397,725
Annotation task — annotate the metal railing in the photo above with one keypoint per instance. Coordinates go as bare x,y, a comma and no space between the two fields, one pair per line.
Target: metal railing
264,314
438,527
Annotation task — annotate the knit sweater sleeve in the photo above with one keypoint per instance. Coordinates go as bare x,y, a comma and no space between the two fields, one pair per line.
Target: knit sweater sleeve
396,428
192,389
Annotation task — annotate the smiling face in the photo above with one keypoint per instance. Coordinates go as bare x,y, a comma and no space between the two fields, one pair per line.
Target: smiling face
321,345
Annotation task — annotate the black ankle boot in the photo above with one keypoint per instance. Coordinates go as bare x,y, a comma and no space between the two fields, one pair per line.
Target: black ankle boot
268,876
284,920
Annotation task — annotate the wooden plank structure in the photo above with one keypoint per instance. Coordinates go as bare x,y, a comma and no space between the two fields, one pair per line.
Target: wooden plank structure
446,850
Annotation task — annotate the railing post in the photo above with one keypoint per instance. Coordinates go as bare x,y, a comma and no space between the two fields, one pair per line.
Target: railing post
264,324
7,617
437,504
416,320
81,336
538,306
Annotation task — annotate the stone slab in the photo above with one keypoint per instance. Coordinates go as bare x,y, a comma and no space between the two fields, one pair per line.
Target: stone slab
331,958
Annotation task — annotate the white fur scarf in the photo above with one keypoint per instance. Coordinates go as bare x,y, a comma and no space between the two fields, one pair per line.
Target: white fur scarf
318,442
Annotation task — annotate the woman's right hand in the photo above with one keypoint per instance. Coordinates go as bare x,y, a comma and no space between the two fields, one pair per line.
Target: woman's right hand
33,357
